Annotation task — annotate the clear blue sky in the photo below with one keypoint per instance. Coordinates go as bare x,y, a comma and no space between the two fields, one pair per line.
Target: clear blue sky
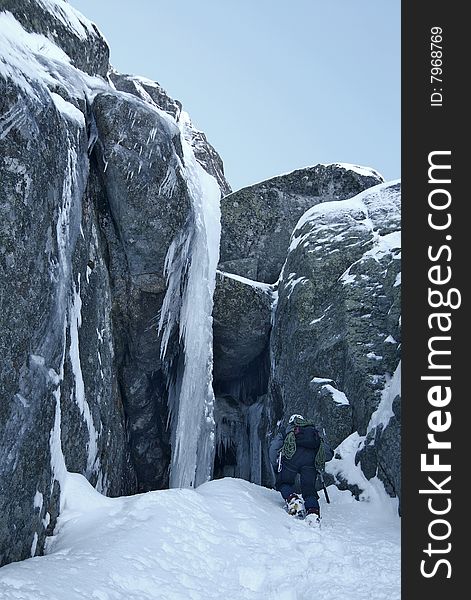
275,85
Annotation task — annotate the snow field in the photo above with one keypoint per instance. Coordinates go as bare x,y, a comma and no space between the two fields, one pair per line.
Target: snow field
228,539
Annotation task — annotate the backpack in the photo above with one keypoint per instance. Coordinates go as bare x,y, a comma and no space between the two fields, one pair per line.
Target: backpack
307,437
299,434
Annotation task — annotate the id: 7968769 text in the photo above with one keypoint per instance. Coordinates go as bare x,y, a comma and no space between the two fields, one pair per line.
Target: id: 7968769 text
436,65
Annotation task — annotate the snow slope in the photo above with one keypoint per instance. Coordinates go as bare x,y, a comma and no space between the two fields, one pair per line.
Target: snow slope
227,539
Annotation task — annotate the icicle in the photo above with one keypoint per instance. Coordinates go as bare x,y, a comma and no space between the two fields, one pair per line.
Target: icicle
63,238
190,267
254,418
75,309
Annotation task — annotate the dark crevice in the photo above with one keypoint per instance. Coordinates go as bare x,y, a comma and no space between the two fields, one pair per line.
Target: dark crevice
242,418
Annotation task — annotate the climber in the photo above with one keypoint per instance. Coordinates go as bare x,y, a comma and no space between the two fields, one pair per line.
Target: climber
293,450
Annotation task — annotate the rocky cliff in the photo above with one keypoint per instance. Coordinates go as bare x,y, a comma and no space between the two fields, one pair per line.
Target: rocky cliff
114,361
323,338
97,183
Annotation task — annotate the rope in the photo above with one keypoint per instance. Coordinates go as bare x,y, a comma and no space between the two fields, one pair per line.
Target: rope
289,445
320,457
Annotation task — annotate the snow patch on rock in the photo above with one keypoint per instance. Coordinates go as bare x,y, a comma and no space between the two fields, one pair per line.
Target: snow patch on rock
384,412
265,287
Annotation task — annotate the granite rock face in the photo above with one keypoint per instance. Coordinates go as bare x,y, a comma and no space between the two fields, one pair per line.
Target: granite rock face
153,93
145,203
257,221
148,91
56,342
75,35
93,194
329,237
336,331
241,324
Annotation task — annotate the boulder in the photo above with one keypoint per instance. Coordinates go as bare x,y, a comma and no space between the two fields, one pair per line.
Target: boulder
153,94
241,324
336,331
257,221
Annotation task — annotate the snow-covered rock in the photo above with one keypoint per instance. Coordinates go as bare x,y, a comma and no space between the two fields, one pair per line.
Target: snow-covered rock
333,329
257,221
153,93
337,313
58,379
65,28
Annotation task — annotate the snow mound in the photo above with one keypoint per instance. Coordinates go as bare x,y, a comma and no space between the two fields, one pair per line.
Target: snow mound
365,171
226,539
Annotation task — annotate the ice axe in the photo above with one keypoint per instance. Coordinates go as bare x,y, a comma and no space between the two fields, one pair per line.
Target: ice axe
321,477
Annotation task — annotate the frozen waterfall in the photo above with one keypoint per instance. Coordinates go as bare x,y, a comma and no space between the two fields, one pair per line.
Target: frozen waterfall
191,275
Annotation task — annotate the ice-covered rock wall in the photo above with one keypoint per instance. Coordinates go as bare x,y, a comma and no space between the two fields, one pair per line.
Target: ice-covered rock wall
188,305
58,381
98,182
